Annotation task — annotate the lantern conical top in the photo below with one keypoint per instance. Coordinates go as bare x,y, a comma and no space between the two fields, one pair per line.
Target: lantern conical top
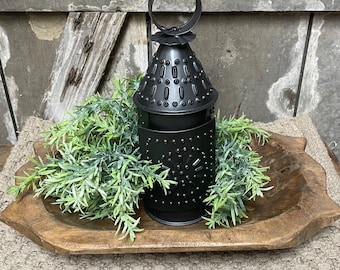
175,82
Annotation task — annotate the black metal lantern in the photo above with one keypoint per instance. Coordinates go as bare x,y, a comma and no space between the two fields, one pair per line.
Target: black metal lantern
175,102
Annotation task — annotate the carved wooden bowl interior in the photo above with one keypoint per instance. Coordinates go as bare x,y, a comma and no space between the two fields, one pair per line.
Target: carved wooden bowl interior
293,211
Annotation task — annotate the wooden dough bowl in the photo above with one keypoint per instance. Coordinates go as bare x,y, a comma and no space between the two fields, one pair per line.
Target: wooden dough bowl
293,211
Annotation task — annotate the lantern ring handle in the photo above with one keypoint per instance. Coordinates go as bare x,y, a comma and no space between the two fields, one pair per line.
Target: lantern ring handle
178,30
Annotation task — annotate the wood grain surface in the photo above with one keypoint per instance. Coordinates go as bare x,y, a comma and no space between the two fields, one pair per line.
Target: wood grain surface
293,211
88,40
168,6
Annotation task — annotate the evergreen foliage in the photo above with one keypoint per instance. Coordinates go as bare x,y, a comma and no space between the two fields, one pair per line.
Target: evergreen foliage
97,171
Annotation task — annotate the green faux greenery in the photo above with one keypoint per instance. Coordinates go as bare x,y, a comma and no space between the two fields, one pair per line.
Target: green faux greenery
239,176
97,171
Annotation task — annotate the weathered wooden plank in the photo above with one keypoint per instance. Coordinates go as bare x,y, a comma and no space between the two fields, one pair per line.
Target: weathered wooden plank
168,5
320,95
87,42
7,133
253,60
28,49
130,56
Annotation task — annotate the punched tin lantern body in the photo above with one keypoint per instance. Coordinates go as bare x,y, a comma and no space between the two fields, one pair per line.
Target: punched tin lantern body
175,103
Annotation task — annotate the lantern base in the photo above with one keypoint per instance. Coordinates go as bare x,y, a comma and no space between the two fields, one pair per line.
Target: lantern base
176,218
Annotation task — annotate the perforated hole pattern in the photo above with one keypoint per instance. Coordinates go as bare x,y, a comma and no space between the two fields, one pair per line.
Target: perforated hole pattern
190,157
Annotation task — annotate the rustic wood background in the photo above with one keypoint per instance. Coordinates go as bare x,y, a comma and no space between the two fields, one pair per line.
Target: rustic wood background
267,58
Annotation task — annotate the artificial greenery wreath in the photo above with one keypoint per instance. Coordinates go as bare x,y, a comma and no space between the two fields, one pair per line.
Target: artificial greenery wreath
96,169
